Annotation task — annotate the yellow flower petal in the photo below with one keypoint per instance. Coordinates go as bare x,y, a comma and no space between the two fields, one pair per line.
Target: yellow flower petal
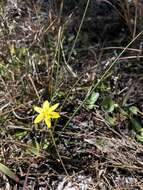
48,122
54,115
52,108
46,105
38,109
46,113
39,118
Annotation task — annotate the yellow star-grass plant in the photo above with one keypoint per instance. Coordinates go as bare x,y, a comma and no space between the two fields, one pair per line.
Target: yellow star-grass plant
46,113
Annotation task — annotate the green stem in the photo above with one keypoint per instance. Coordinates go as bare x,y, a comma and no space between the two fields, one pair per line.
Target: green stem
58,153
79,29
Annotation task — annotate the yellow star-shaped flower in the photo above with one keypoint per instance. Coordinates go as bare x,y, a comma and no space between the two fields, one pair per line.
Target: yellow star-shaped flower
46,113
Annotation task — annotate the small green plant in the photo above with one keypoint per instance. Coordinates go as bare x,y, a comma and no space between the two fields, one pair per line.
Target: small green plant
136,124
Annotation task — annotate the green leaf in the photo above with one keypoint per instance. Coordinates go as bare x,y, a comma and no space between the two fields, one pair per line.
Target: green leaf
92,99
4,169
20,135
34,148
136,125
46,145
111,120
109,105
139,138
134,110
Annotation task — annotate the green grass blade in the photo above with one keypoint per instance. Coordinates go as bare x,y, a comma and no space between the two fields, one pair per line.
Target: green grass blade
4,169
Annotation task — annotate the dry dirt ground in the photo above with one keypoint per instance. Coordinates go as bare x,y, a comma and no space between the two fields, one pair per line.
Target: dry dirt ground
101,144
